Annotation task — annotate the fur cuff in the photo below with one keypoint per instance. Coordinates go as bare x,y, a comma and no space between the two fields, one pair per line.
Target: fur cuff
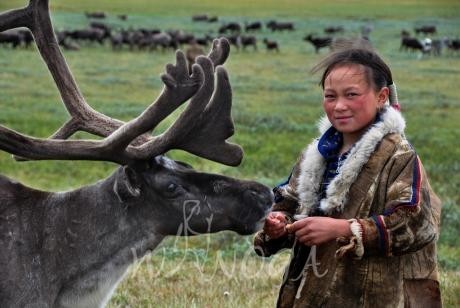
355,243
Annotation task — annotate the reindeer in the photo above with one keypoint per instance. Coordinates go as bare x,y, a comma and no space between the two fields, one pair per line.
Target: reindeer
200,17
334,29
280,26
425,30
271,45
318,42
70,249
95,15
12,37
252,26
232,27
248,40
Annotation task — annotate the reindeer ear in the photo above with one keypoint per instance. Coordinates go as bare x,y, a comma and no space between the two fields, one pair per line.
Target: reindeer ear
127,184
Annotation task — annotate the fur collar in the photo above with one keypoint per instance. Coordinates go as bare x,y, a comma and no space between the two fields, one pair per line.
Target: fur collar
313,164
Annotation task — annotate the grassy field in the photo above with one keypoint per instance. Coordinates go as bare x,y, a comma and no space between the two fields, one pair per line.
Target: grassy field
276,105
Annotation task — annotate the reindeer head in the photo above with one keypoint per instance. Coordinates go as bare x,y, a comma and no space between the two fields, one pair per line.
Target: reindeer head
186,202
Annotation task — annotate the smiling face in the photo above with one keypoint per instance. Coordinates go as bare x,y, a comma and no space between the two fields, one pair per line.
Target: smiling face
351,101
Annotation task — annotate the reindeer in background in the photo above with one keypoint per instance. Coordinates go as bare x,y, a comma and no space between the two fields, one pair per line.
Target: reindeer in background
71,249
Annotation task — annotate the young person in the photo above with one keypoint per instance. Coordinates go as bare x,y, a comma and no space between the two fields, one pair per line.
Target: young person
357,211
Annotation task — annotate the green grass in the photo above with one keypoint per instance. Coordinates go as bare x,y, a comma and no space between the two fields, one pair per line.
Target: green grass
276,104
207,275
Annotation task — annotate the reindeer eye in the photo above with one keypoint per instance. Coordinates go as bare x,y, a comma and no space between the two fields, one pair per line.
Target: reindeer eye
172,187
171,190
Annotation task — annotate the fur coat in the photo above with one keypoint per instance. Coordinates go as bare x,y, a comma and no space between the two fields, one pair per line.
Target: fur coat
382,189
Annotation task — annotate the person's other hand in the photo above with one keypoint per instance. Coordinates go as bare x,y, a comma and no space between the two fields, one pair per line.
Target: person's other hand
318,230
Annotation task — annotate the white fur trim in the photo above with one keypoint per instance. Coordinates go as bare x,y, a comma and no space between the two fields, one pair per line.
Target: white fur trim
311,168
357,231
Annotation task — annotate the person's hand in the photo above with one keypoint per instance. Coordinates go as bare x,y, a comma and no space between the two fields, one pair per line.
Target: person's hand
318,230
275,225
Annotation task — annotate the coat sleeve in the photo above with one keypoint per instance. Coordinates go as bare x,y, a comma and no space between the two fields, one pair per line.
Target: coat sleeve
410,216
286,201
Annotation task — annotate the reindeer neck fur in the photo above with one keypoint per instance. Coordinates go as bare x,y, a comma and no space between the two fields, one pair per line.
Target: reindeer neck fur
111,240
85,241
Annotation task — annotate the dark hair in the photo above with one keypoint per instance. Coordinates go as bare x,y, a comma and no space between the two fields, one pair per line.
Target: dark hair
377,71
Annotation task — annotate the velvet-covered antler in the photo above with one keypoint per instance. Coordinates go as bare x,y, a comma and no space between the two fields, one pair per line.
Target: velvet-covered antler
201,129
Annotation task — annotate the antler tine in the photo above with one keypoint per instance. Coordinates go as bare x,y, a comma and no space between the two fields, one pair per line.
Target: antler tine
14,19
179,87
219,51
202,129
216,126
173,136
42,149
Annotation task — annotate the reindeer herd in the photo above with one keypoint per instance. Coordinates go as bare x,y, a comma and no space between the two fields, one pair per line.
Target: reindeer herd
242,36
103,33
425,45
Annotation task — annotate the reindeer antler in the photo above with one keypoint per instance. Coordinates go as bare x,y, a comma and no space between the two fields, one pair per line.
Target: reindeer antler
201,129
204,123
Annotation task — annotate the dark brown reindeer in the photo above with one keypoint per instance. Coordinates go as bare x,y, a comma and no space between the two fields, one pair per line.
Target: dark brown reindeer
70,249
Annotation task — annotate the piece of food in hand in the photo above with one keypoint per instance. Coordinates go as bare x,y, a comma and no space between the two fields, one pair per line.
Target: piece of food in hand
288,228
